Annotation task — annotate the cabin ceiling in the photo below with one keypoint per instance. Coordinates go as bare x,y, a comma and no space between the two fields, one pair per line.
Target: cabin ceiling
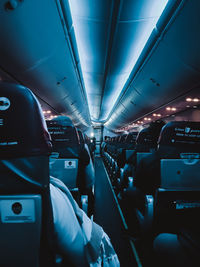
170,70
36,52
110,37
83,58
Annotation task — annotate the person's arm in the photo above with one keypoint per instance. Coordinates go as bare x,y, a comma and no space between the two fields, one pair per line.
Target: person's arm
69,238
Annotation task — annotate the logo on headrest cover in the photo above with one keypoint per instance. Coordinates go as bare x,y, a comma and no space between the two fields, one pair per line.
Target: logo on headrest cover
4,103
187,129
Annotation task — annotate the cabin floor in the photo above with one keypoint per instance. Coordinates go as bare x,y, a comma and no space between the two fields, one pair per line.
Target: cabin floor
107,213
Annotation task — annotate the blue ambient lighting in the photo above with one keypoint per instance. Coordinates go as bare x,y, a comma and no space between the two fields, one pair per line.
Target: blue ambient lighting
153,10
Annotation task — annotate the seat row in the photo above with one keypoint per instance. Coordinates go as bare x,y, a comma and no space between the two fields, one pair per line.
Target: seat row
159,185
115,152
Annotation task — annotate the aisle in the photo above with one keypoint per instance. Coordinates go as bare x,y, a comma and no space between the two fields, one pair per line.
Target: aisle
107,214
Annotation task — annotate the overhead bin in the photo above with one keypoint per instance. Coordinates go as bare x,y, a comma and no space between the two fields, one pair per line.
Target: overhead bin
42,58
167,69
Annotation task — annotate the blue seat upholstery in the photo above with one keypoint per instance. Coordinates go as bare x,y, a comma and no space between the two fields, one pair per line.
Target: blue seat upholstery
26,222
73,165
177,198
71,152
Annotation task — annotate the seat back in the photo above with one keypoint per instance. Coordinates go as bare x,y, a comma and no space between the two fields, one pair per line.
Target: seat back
66,144
21,223
26,222
180,174
141,155
66,170
177,200
73,164
179,194
128,153
179,137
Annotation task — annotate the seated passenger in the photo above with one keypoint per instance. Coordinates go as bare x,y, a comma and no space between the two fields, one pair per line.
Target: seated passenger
77,239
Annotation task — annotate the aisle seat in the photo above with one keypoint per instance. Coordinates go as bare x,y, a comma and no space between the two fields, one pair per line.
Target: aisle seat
73,159
66,153
26,221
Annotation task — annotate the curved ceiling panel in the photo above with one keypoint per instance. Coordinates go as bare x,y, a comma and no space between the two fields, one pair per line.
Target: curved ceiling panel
110,36
183,37
92,21
136,20
171,69
41,57
121,63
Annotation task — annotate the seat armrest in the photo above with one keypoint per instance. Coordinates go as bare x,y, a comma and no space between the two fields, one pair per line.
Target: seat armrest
149,212
84,203
131,181
146,219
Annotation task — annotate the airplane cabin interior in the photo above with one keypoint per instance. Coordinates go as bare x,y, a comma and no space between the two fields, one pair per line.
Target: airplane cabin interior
116,86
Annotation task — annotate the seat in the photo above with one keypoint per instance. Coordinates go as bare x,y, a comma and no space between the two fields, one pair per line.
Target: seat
73,161
177,199
141,155
26,222
67,147
144,144
82,139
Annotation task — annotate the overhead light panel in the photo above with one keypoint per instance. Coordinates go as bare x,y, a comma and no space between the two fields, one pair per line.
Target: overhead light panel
154,10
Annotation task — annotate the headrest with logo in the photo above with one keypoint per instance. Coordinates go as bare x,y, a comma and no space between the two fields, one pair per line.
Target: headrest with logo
62,131
23,130
25,143
184,135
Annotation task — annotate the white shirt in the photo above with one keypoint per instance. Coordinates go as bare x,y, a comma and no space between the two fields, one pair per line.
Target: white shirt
70,238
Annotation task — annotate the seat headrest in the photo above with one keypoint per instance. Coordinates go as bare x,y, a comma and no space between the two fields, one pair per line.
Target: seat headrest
156,126
62,134
23,130
131,137
63,121
149,136
144,137
183,135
